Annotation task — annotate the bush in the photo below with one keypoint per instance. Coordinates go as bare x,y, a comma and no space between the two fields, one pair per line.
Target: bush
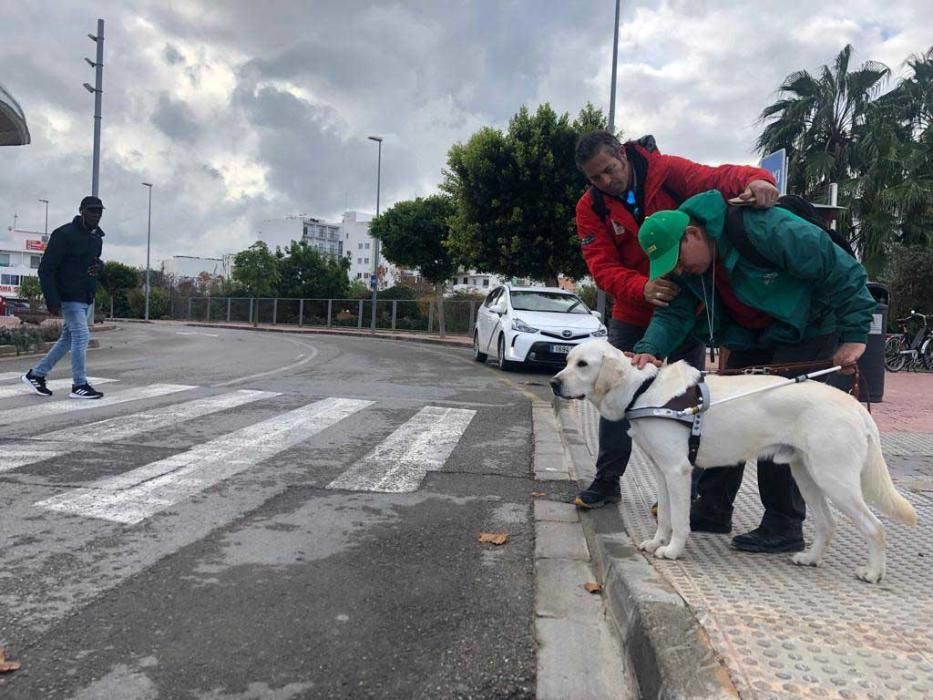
24,339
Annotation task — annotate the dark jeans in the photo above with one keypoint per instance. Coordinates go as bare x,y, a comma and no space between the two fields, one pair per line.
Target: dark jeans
615,445
784,506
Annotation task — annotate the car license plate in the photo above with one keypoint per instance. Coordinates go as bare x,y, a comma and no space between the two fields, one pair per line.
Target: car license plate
560,349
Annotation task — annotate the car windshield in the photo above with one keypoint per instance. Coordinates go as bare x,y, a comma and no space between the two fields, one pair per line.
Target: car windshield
548,301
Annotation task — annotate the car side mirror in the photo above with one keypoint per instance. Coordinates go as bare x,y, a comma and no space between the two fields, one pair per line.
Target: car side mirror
497,309
597,315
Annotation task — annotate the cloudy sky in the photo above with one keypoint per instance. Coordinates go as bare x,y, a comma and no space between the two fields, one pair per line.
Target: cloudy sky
240,112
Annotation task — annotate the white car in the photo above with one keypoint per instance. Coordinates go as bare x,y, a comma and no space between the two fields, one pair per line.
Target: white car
532,324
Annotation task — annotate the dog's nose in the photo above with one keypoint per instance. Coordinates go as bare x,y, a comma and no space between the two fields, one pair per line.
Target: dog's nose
555,385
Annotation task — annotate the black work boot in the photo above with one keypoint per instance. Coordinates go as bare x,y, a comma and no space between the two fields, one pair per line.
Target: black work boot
707,519
764,541
598,494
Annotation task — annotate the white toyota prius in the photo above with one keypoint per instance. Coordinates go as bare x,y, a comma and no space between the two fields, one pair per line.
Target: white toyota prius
532,324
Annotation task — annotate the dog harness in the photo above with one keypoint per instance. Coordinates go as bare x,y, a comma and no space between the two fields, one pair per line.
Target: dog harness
695,398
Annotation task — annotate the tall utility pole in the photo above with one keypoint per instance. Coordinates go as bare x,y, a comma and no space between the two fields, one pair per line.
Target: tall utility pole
600,294
148,236
375,277
46,215
97,91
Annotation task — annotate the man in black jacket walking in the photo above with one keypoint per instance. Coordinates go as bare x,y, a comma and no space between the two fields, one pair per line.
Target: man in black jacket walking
68,274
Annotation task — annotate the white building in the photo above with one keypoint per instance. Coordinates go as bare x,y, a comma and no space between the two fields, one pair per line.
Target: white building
473,281
20,253
201,270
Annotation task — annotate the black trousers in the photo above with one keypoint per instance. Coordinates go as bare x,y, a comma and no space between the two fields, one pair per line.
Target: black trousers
615,445
784,506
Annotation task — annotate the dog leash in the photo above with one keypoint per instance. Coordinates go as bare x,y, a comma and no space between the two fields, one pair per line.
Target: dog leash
761,389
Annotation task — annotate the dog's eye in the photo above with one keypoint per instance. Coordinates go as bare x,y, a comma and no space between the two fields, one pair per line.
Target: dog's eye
581,363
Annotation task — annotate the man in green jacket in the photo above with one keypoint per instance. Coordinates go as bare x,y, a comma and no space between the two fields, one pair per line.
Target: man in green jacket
809,302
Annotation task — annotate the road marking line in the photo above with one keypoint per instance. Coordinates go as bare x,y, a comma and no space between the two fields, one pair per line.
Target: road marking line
421,445
53,407
22,453
136,495
54,384
10,376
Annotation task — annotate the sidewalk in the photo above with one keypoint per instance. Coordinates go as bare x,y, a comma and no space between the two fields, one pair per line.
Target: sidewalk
719,623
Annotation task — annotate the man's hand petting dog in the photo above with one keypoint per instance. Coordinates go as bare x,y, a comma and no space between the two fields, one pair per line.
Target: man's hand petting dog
644,358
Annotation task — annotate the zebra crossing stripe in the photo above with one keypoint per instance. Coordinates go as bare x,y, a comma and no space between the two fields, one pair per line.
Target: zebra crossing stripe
400,463
10,376
136,495
54,385
51,407
25,452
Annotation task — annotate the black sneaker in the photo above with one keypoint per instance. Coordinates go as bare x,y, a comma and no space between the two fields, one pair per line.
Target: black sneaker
36,383
762,541
598,494
84,391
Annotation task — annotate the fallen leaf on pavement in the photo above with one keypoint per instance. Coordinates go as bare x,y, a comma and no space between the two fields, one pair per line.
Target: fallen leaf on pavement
538,494
592,587
7,666
493,537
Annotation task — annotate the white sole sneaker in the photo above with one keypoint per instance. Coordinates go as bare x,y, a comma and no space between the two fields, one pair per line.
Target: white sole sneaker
35,390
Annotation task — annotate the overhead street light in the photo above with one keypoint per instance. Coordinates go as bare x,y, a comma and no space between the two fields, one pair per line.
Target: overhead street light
372,325
97,90
148,236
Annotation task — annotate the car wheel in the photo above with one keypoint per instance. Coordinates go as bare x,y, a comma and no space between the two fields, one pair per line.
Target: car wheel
477,355
504,365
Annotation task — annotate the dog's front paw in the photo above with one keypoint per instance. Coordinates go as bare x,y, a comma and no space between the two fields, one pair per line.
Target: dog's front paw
650,545
869,574
806,559
668,552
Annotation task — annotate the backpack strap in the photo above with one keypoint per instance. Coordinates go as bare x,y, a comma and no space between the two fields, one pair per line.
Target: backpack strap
738,237
598,203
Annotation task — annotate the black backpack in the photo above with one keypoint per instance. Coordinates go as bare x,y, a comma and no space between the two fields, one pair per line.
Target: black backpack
738,236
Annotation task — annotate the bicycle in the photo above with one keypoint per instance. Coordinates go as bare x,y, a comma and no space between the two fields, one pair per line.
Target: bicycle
918,352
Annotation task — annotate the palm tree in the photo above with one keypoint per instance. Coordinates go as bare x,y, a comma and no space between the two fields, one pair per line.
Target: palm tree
817,118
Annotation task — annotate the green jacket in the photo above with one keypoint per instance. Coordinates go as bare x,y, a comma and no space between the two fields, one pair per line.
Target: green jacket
815,288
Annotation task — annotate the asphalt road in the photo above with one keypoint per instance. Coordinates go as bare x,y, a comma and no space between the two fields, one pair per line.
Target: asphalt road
190,537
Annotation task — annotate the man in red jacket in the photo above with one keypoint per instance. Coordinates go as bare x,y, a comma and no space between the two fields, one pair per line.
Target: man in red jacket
629,182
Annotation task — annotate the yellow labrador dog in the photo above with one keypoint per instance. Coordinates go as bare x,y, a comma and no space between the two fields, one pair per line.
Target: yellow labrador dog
829,440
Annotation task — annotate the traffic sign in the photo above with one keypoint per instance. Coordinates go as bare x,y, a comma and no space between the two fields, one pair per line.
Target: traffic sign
776,164
372,282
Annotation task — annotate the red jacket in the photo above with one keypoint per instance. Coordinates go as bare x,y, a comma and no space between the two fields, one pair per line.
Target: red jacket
610,247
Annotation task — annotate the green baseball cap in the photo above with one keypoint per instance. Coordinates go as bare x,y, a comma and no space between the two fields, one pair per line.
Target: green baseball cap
659,236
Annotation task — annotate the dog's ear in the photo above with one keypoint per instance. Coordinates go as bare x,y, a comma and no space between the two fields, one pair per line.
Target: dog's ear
610,375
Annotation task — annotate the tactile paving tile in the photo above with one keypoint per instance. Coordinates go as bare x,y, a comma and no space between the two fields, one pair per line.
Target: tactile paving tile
904,444
799,632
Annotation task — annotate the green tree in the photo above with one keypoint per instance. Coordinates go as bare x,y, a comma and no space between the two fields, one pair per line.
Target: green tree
31,291
413,234
119,280
817,118
910,281
515,195
257,270
305,274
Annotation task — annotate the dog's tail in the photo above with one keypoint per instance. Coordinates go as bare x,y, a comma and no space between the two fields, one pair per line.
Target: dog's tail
877,487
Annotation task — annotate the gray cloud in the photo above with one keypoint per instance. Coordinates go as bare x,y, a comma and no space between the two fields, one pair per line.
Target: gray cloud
240,112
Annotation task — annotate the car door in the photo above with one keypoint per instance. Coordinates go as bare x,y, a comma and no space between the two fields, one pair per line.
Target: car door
486,320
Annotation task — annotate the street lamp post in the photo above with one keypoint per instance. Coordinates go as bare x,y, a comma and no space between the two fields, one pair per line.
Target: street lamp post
600,294
46,215
372,325
148,236
97,91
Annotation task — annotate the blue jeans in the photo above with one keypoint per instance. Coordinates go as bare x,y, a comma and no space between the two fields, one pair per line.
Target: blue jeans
74,337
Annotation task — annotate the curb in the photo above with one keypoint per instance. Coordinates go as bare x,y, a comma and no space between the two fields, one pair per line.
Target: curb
449,342
665,644
92,344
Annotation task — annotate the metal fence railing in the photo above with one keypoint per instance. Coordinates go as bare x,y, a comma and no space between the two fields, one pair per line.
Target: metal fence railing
391,314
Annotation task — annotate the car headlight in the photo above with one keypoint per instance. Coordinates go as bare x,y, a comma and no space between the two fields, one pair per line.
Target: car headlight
522,327
601,333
